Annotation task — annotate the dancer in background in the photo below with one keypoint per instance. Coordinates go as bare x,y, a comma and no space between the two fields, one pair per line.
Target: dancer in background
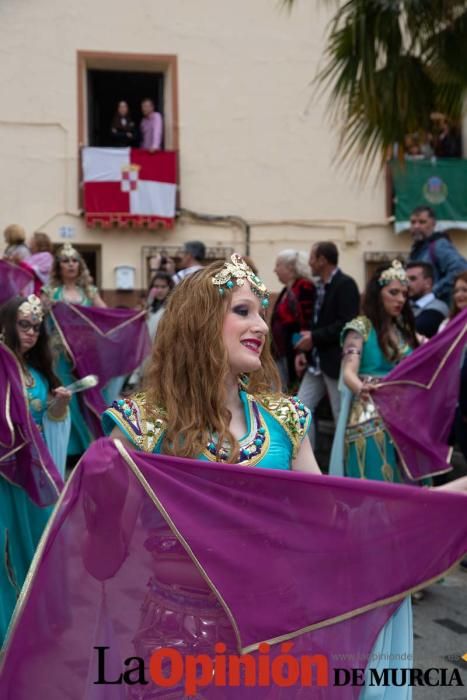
372,345
22,520
70,282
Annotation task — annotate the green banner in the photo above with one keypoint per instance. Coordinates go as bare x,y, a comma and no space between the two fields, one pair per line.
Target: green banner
438,183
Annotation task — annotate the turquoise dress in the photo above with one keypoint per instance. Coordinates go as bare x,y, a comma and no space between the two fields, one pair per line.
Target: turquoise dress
21,520
276,426
369,452
363,449
80,435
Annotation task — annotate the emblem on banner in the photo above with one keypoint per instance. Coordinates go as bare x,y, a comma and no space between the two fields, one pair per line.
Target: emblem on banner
435,190
130,176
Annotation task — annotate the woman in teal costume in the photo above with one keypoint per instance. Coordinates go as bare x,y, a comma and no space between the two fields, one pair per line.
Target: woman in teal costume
211,395
224,408
21,520
70,282
373,344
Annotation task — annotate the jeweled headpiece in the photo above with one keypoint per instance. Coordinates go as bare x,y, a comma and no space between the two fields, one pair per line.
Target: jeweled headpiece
67,251
237,272
32,307
395,272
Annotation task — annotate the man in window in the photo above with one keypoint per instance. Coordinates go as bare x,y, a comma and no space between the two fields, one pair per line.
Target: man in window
151,127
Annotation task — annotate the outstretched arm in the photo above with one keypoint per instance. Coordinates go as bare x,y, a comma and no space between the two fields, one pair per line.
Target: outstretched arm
305,460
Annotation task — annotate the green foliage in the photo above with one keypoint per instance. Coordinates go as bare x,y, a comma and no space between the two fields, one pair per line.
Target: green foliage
388,65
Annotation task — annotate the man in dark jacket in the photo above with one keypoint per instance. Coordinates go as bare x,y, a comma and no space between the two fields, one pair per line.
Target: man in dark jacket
429,311
435,247
337,302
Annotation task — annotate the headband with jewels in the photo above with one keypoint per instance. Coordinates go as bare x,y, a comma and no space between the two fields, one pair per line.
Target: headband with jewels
237,272
32,307
394,273
67,251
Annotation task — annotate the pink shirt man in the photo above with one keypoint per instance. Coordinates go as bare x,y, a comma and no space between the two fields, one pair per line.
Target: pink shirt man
151,127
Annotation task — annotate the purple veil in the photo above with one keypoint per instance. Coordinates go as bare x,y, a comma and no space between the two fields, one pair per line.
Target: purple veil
14,281
173,553
417,400
106,342
24,458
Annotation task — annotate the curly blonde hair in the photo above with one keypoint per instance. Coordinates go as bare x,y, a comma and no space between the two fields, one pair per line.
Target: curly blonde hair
84,279
186,379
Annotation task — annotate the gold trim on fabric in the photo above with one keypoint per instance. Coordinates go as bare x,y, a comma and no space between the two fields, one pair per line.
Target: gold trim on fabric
154,498
75,308
151,429
436,372
62,337
353,613
55,419
254,459
68,351
8,454
291,635
29,419
359,324
25,590
7,414
429,385
10,572
24,595
284,411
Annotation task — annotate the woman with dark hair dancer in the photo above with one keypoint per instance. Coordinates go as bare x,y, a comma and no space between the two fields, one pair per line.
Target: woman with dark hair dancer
373,344
21,520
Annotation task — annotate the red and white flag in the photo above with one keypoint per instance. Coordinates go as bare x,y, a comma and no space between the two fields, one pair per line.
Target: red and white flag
125,186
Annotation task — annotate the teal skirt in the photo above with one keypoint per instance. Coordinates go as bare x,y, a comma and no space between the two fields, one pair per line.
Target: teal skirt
21,525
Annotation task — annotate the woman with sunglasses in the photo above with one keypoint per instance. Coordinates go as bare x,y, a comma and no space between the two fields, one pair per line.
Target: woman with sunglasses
70,282
21,520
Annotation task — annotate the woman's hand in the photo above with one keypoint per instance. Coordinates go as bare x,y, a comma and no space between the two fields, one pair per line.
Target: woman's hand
60,401
366,388
456,486
301,364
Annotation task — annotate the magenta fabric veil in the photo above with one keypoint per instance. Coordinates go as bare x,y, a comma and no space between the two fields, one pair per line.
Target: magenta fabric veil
184,555
14,281
24,457
106,342
418,398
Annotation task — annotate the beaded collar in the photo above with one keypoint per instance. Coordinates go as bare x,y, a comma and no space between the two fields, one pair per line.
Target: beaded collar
252,447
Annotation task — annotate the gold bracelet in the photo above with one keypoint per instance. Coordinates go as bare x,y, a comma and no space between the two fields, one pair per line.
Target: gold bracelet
57,419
